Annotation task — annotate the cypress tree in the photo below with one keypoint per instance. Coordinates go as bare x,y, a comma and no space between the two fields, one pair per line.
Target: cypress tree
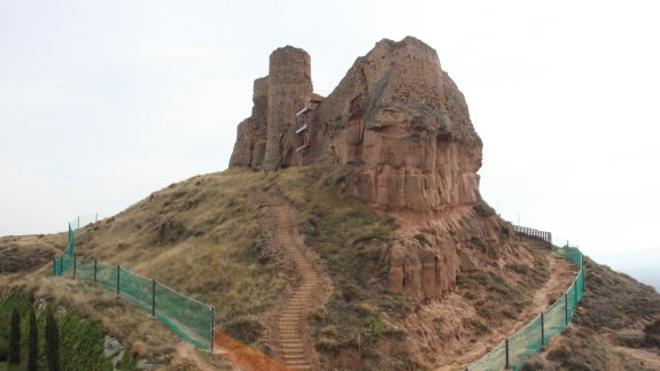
15,339
52,343
33,343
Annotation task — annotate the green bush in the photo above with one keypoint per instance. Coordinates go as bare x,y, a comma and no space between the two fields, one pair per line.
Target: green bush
52,343
4,348
33,343
79,343
15,339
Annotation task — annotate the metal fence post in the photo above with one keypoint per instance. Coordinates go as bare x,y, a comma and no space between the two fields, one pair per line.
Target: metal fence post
95,269
582,271
54,267
359,346
75,260
566,307
153,297
508,361
118,269
212,308
61,272
542,330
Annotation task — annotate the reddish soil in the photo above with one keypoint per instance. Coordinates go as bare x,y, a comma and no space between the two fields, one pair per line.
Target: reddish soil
243,356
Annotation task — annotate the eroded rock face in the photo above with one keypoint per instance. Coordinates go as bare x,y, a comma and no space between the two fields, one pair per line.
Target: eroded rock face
402,125
401,120
396,116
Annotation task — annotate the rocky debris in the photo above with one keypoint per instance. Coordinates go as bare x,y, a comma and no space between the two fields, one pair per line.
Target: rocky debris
111,346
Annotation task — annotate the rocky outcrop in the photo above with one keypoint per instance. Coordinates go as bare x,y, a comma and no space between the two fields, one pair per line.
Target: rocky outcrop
403,123
403,127
396,117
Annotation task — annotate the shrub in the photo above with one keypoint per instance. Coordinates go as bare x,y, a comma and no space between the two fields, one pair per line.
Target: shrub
33,343
652,334
52,343
15,339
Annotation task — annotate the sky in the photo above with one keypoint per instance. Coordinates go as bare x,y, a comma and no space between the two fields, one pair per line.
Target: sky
104,102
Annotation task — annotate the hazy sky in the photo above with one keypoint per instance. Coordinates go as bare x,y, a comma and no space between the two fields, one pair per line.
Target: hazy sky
103,102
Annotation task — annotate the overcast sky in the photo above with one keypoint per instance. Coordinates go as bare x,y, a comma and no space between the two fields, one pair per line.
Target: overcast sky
104,102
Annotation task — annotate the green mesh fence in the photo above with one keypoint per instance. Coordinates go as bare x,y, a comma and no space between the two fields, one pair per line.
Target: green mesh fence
514,351
188,318
137,289
84,269
66,265
106,275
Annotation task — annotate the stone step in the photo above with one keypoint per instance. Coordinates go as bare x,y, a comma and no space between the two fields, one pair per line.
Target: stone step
293,357
302,365
289,335
293,347
291,343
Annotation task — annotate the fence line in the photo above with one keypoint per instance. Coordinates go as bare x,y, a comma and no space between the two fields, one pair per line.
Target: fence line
513,351
189,318
534,233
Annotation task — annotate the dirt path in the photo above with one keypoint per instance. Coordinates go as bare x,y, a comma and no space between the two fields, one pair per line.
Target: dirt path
562,273
290,335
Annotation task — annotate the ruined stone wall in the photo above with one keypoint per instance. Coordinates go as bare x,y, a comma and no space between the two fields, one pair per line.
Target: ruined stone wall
290,86
267,140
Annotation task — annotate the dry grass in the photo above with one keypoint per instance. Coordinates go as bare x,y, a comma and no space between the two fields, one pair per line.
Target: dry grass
499,297
27,253
204,237
208,237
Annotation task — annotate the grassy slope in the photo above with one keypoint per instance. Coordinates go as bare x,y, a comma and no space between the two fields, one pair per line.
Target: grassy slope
209,237
27,253
203,237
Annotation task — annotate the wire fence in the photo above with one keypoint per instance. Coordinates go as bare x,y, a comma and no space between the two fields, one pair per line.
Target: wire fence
534,233
516,349
190,319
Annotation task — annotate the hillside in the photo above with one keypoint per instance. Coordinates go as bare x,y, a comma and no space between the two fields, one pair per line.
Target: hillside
210,237
617,327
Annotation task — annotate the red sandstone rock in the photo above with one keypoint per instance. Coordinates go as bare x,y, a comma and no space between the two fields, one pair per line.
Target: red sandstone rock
403,126
396,116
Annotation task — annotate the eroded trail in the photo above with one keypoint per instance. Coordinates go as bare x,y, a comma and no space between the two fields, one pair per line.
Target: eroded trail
290,334
562,274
